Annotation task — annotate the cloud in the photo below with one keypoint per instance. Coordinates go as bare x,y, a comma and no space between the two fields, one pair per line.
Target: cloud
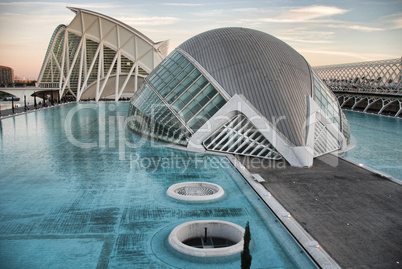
306,14
250,9
396,21
209,13
182,4
355,27
359,56
305,35
317,15
59,4
311,14
364,28
307,41
150,21
31,4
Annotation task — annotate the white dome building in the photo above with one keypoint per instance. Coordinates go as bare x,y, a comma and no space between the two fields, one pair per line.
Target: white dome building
244,92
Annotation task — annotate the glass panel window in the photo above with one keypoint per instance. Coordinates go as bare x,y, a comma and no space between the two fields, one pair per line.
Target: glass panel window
187,114
186,90
178,105
326,100
194,107
202,82
202,99
193,90
186,97
181,76
187,82
211,109
184,64
210,91
217,101
194,75
189,68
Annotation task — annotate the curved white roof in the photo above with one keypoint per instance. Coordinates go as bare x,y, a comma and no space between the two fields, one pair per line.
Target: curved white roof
269,73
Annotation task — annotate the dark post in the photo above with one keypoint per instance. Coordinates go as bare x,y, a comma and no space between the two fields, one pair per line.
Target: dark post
35,104
245,254
205,239
12,103
25,103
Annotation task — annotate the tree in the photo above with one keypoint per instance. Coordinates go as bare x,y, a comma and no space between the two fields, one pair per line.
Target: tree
245,254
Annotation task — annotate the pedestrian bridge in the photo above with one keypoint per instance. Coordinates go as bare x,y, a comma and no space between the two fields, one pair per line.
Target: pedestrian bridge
374,87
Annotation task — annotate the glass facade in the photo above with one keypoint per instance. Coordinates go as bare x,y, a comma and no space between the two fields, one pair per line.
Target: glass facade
345,127
328,103
176,99
186,91
179,97
326,100
152,117
51,74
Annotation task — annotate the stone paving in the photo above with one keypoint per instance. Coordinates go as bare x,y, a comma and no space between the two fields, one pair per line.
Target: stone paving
355,215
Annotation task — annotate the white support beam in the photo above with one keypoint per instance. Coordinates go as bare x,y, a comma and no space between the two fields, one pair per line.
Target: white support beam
62,61
118,67
127,79
136,79
100,62
105,79
81,66
90,69
66,82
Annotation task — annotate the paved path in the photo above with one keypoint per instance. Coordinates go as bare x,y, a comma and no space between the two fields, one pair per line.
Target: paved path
355,215
21,109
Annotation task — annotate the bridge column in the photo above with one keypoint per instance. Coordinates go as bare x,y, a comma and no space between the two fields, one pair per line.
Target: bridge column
400,109
370,102
359,100
385,104
346,100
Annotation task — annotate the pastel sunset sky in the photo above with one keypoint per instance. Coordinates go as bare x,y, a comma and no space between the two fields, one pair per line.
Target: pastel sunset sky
324,32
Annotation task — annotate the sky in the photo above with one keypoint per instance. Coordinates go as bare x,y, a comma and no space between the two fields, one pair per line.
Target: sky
324,32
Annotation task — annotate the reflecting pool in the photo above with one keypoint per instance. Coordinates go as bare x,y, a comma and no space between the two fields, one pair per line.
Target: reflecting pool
379,142
79,190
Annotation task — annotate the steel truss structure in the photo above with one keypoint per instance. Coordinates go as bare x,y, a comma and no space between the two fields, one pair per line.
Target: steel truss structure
239,136
97,57
374,86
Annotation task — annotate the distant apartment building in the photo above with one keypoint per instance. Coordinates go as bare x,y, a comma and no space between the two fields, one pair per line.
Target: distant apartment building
6,75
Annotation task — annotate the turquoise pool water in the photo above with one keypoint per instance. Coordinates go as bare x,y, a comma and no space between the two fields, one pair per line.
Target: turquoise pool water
378,142
78,190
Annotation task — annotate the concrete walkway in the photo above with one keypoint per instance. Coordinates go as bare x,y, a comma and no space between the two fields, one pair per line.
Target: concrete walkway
9,112
355,215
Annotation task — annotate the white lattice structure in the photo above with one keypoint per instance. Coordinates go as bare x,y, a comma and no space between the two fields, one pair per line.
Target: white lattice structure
97,57
374,86
239,136
369,77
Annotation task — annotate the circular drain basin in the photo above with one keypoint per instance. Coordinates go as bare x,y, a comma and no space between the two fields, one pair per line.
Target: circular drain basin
195,191
207,238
